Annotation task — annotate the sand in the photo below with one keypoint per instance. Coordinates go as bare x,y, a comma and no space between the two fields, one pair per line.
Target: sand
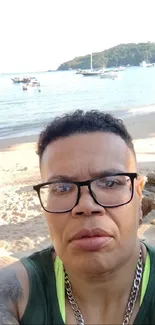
23,229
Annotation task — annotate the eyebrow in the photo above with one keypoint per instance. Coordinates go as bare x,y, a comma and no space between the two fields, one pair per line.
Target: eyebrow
108,172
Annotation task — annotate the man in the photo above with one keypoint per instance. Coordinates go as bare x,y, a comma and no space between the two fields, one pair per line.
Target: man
98,272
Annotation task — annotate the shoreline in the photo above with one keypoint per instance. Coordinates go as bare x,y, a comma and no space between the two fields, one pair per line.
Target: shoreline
129,121
9,143
141,128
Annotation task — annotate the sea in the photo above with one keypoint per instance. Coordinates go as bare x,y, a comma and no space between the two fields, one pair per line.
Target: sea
25,113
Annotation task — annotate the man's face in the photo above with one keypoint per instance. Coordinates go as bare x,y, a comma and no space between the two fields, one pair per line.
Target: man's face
82,157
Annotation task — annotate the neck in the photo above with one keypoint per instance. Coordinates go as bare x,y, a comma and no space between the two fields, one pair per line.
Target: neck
106,288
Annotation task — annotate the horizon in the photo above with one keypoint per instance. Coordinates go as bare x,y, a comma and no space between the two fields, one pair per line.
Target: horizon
41,35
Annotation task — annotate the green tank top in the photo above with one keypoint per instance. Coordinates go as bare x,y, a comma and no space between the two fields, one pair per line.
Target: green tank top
60,283
44,305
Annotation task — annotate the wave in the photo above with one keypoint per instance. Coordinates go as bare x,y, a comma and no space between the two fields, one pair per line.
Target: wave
17,130
34,127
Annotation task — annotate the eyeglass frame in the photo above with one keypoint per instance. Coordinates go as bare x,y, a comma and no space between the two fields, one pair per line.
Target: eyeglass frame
87,183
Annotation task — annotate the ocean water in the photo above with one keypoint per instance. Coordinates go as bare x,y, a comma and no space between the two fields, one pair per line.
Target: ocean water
25,113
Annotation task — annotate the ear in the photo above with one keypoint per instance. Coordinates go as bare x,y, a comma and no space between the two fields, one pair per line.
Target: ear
140,183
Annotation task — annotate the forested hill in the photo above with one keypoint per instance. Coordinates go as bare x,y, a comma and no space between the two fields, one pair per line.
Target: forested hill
122,54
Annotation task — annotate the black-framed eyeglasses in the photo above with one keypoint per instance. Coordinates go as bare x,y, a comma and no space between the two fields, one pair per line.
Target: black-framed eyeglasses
109,191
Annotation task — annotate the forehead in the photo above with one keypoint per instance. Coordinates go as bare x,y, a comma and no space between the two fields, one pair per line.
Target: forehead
82,154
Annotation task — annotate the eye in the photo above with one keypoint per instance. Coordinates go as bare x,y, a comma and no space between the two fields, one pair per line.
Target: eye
112,182
60,188
108,183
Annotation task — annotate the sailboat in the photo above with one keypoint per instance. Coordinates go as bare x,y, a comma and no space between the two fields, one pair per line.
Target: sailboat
91,72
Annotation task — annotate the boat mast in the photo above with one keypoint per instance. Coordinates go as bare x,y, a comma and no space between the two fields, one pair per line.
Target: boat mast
91,62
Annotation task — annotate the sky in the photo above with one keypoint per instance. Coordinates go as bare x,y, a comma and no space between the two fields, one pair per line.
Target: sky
37,35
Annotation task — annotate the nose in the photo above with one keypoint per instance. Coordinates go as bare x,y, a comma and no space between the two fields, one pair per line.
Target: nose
86,205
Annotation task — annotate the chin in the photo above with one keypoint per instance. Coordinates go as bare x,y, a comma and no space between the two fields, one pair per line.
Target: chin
93,263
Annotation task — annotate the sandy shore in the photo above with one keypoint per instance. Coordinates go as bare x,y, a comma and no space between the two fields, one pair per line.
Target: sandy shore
22,226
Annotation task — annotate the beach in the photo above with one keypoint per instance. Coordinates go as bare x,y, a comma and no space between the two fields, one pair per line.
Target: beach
23,229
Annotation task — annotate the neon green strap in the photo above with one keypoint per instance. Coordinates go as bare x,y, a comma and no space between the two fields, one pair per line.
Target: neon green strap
60,283
145,279
60,286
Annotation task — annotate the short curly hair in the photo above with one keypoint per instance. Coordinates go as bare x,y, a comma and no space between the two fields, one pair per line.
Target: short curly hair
79,122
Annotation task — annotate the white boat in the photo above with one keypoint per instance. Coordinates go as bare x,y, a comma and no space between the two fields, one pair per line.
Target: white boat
34,83
121,68
144,64
91,72
23,80
25,87
79,71
109,75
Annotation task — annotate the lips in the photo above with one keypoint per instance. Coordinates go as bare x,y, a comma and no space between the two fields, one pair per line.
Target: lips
97,232
91,239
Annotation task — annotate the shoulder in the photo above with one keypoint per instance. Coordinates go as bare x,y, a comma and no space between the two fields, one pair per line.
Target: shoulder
14,289
150,250
18,282
39,260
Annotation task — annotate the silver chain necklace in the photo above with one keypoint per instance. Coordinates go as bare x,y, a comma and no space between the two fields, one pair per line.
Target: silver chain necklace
131,301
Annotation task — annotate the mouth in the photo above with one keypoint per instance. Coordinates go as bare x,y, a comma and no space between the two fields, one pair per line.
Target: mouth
91,240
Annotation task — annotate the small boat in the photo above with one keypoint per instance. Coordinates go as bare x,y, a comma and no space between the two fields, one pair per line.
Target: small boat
144,64
16,80
34,83
121,68
23,80
109,75
91,72
79,71
150,65
25,87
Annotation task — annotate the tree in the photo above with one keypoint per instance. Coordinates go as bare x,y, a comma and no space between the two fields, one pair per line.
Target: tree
122,54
